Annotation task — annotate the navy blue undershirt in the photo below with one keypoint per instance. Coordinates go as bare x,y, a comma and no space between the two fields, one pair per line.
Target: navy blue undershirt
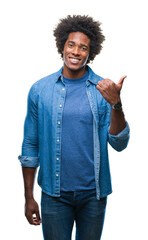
77,164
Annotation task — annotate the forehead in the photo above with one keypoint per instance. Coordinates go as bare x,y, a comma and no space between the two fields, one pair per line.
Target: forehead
79,38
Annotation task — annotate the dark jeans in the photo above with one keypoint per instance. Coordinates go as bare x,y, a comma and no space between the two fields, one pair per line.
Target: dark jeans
59,213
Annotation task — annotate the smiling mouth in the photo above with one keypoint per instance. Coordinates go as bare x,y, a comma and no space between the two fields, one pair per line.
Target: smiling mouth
74,60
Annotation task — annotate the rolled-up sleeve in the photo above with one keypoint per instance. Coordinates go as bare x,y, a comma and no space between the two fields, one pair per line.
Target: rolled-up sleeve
120,141
30,149
29,161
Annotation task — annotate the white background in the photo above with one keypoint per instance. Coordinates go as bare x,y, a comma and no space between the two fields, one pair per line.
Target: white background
28,53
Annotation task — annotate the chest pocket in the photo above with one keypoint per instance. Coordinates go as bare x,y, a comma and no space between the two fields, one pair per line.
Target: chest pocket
103,114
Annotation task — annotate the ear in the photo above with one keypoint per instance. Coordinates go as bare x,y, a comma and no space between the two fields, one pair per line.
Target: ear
62,54
63,50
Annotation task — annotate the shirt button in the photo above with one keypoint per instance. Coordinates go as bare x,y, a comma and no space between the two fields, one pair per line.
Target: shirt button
63,89
57,159
58,140
57,175
60,105
59,123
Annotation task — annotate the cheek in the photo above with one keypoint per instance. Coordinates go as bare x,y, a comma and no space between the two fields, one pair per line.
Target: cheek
65,53
86,58
65,59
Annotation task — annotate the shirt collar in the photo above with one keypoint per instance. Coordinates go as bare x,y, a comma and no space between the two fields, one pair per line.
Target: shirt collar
59,75
91,76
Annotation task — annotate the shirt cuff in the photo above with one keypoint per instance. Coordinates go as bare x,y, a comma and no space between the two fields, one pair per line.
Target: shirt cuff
29,161
122,135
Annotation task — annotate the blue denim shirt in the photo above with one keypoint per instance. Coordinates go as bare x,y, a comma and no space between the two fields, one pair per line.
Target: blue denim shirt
42,133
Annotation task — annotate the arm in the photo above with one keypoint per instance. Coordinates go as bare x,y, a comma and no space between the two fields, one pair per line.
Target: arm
118,122
29,158
31,207
118,134
111,92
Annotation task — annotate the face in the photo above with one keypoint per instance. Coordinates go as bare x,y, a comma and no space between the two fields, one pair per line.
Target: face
76,53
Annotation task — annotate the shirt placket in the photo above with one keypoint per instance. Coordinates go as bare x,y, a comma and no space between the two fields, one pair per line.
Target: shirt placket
58,137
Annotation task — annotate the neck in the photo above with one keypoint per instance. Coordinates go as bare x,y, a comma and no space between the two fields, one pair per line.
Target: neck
72,74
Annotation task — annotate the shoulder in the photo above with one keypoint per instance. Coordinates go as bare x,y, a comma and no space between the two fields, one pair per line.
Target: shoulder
43,82
50,79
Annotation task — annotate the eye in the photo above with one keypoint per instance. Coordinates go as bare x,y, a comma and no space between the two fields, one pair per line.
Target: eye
70,45
84,48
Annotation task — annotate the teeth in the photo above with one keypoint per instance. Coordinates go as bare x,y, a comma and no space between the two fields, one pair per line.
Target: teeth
74,60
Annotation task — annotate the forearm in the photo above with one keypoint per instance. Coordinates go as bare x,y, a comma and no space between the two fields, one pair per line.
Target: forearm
29,176
118,122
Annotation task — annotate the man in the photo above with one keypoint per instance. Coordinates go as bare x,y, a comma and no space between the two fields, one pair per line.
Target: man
72,115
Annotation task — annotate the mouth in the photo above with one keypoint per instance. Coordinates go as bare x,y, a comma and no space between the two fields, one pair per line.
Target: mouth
74,60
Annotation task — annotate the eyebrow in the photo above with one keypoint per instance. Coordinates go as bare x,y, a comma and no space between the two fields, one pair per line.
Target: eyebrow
80,44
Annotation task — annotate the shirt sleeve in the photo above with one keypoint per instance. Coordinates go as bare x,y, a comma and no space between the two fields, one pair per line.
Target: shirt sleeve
30,148
120,141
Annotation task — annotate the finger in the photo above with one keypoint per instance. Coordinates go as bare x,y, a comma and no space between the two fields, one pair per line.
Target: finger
121,80
100,84
30,218
38,217
35,221
99,87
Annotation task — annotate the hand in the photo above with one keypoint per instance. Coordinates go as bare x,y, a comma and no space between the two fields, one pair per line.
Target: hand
110,91
32,212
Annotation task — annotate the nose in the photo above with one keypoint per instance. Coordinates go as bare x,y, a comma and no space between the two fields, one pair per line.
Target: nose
75,51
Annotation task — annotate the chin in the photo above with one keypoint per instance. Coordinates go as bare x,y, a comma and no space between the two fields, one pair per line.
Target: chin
74,68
